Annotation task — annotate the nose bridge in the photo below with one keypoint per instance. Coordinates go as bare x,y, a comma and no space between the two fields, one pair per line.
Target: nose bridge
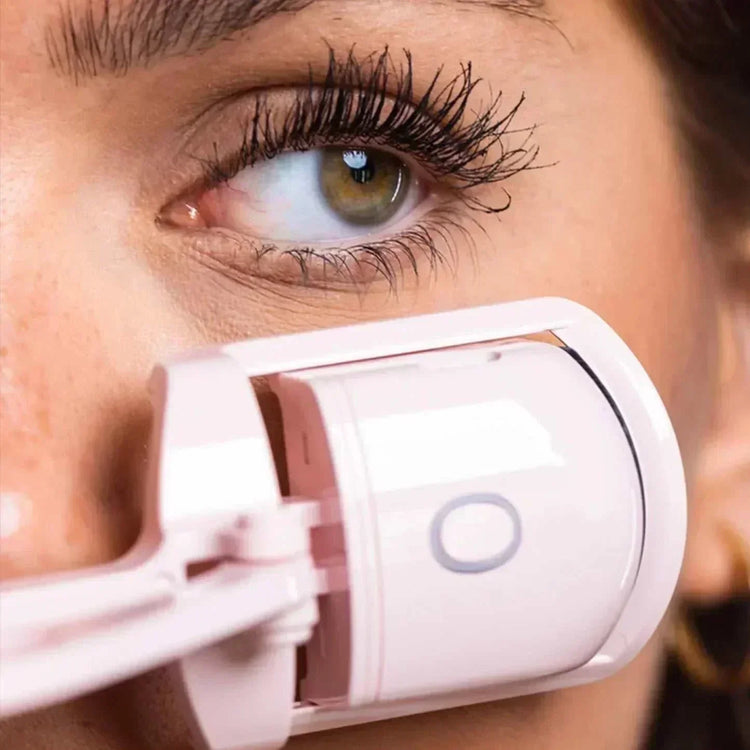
69,460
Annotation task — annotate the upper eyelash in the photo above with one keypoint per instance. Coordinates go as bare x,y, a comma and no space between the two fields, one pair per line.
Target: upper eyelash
372,101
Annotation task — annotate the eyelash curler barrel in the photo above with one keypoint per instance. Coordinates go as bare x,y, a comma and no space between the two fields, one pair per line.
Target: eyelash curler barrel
477,510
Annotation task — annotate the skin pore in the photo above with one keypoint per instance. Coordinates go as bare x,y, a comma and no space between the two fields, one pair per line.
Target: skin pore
96,288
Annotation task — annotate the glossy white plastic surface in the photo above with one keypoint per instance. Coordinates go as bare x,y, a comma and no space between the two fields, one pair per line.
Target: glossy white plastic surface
567,575
613,368
521,421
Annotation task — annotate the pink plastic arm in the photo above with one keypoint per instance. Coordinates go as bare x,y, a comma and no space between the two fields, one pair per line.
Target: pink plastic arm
228,600
66,635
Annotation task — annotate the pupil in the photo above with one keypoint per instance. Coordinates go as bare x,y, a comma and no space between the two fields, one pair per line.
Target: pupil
360,165
361,176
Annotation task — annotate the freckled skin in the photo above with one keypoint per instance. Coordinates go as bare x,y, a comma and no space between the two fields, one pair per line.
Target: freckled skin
93,295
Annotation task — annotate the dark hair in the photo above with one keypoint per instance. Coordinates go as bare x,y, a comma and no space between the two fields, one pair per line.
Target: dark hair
693,718
704,49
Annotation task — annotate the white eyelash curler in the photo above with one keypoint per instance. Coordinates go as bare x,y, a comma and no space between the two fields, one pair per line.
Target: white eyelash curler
474,514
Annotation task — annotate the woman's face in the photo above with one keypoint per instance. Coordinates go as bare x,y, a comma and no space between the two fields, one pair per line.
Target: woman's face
127,237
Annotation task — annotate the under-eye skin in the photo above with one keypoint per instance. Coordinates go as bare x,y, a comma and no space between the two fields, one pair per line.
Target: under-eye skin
391,177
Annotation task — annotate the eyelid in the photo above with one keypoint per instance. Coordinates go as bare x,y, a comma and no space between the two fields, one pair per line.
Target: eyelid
374,102
434,238
368,104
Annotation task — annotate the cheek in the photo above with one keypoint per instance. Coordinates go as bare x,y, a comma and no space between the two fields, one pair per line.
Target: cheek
612,223
637,260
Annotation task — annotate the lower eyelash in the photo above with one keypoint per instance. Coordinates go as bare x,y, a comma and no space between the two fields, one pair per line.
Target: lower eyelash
435,238
391,259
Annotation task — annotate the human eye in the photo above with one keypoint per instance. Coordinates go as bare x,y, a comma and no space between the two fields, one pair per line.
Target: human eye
356,178
325,195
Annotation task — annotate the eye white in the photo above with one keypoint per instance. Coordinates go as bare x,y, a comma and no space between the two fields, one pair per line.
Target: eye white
281,199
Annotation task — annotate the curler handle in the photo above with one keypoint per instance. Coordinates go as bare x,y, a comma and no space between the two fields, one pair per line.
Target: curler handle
85,655
63,636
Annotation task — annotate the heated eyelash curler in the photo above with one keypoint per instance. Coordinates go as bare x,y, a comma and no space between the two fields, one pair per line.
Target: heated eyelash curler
476,512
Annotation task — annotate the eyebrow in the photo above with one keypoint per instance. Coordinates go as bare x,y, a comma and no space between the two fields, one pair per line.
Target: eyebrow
110,37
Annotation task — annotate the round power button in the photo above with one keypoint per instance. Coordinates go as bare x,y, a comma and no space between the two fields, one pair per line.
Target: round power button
475,533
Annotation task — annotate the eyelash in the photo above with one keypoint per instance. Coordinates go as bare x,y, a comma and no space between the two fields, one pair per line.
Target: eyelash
361,263
371,102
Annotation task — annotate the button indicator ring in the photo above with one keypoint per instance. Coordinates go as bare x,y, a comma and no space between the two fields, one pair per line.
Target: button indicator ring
448,561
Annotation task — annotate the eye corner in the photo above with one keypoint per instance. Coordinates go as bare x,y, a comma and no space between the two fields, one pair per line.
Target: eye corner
181,213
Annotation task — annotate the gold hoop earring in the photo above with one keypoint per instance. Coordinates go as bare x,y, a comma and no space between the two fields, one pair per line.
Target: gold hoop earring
688,646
